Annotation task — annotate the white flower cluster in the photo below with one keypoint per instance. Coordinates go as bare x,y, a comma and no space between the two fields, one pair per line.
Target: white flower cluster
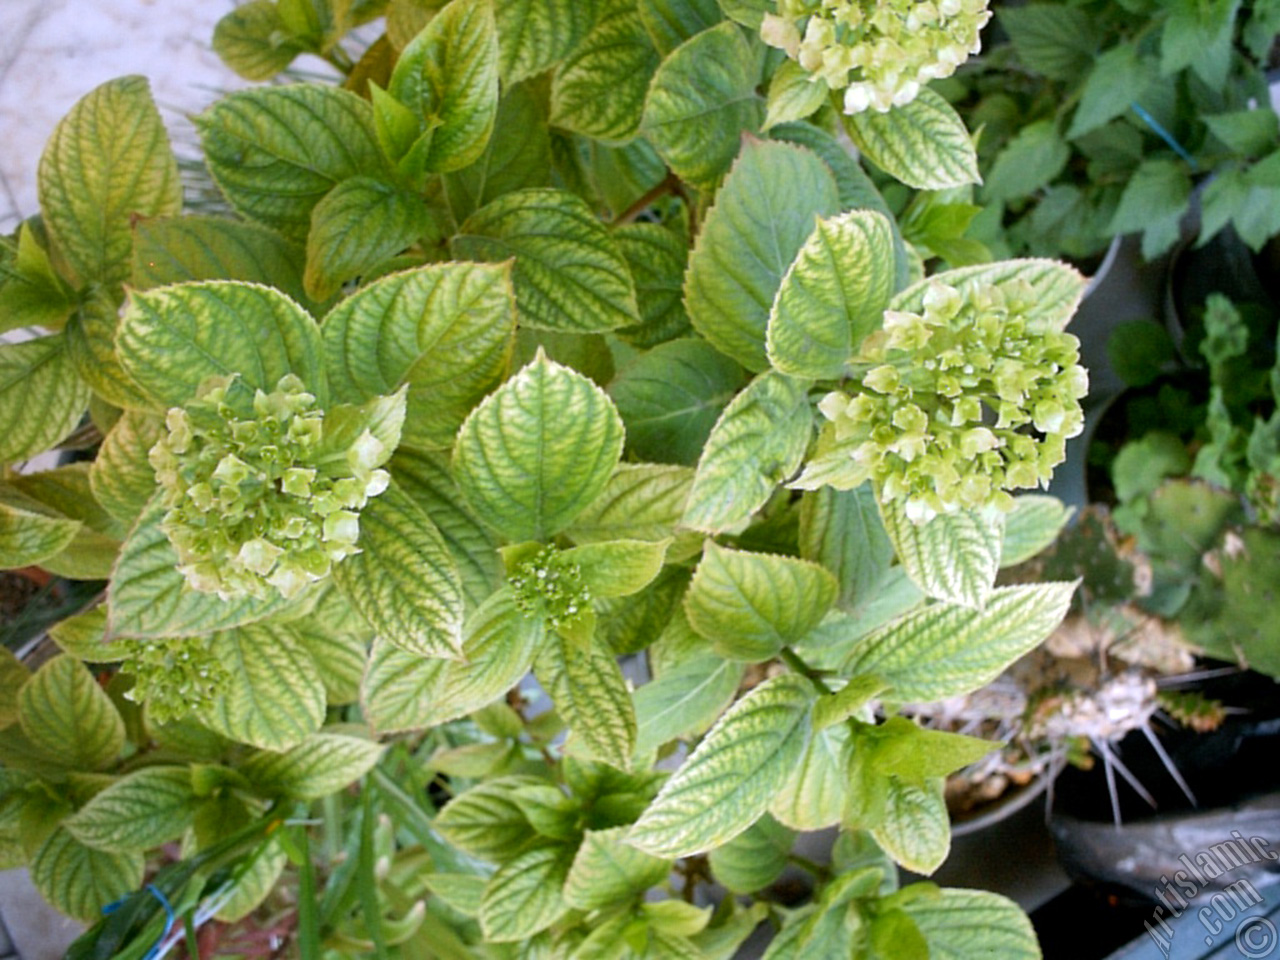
879,52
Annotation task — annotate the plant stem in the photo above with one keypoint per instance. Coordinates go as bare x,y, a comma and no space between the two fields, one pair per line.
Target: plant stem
308,921
797,664
367,880
670,184
810,866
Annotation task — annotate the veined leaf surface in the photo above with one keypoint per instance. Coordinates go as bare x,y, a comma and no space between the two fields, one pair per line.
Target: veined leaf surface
953,556
599,91
322,764
973,924
38,375
535,35
728,782
79,880
607,870
533,455
762,216
141,810
67,715
923,144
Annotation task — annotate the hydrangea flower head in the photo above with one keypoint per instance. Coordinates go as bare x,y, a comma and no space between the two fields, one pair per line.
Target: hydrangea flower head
958,403
549,586
879,52
259,497
174,676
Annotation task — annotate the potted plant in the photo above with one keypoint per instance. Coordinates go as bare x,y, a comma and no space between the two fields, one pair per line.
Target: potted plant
1098,119
554,333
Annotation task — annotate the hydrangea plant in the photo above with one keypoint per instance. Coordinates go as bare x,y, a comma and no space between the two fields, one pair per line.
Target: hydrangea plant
550,337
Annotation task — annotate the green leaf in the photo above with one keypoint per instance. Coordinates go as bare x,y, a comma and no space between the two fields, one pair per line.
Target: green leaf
31,292
672,22
172,339
524,896
461,891
535,35
322,764
607,871
923,144
84,637
629,624
1056,287
1199,35
1247,132
814,795
1032,525
757,444
139,811
275,698
684,700
149,597
38,375
253,885
91,344
671,396
1141,350
180,249
402,691
794,94
1032,159
952,557
1052,39
12,676
445,330
834,293
356,226
569,273
337,639
641,501
1118,78
253,40
68,716
448,76
618,568
761,217
517,157
1154,202
276,151
64,491
29,534
584,680
599,91
947,650
848,701
657,258
898,747
728,782
842,530
916,830
751,605
972,925
404,581
754,858
486,821
537,451
81,881
107,162
703,96
121,477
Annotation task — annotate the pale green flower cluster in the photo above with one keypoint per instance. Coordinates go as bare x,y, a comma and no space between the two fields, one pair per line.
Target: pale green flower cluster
960,403
879,52
255,501
550,587
174,677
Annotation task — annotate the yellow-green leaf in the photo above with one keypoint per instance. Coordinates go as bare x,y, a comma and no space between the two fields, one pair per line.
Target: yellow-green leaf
29,534
751,605
172,339
703,96
953,556
762,216
569,276
322,764
599,91
973,925
107,162
533,455
684,700
38,375
946,650
834,293
121,477
535,35
445,330
274,698
524,896
916,830
607,870
728,782
1056,287
584,680
79,880
923,144
618,568
758,442
66,714
137,812
1032,525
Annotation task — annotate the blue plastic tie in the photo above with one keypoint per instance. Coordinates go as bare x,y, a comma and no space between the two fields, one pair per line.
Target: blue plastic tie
170,918
1163,134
